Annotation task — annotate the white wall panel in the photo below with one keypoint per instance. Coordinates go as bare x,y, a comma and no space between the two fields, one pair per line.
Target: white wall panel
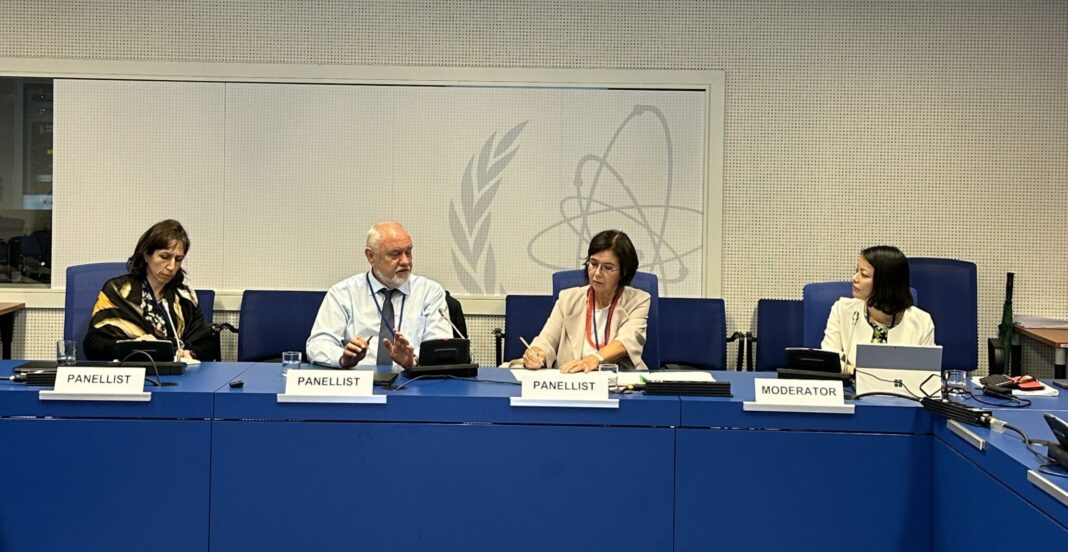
941,127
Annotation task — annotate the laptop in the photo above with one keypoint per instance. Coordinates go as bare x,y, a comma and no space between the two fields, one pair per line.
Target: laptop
913,371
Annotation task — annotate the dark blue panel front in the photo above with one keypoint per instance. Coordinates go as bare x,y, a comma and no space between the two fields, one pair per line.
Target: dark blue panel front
802,490
974,511
104,485
1007,460
389,486
191,396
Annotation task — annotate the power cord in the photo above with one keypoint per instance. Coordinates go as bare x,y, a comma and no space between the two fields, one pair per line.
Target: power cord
1050,466
1014,402
158,382
896,382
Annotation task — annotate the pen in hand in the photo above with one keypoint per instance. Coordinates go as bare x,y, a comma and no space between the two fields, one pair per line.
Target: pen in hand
529,349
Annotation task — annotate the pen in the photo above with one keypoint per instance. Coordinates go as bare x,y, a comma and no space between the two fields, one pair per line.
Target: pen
525,344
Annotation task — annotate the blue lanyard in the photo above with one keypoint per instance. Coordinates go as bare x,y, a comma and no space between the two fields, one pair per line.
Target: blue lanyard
388,323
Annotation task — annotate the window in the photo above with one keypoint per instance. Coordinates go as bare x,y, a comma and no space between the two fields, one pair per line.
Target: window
25,181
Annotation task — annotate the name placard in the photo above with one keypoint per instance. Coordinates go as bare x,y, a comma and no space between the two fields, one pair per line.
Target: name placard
555,389
789,395
75,383
330,386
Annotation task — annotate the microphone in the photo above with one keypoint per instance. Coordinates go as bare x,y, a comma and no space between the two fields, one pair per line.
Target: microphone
445,315
849,342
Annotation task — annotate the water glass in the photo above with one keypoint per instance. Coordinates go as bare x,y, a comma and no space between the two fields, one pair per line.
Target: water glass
613,374
66,352
290,361
955,381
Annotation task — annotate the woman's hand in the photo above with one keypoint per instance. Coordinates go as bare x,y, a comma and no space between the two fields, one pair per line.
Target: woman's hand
587,364
533,358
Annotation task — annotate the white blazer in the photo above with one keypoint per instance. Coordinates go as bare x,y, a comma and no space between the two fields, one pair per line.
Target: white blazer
844,330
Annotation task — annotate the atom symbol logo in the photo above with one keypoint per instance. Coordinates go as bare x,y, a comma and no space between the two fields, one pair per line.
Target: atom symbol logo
593,208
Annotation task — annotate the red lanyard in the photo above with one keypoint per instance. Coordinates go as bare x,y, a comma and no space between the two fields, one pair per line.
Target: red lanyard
591,320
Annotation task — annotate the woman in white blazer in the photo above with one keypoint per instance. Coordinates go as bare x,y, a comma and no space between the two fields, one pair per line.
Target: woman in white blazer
881,309
602,322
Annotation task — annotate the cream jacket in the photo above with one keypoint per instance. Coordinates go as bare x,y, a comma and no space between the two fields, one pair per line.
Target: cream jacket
561,338
914,328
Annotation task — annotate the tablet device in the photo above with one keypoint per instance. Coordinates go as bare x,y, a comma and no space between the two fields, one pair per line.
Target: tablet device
1059,428
813,360
143,350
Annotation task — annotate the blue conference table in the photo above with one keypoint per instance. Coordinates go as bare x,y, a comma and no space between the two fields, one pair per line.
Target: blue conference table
990,492
888,477
443,465
450,465
83,475
801,481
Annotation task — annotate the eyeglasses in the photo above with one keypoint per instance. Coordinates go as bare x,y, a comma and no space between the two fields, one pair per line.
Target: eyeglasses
593,266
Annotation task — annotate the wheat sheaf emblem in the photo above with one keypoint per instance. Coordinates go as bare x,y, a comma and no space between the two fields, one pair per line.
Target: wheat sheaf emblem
470,221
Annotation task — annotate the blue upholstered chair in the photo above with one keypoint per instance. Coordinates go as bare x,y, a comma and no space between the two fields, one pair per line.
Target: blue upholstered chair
817,299
950,294
275,321
206,299
524,316
642,280
83,287
779,325
693,333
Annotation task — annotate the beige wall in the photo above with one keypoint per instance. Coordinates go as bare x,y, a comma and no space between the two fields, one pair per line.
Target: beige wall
941,127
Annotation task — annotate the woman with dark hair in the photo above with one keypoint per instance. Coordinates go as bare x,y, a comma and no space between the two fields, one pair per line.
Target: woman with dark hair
152,301
602,322
881,309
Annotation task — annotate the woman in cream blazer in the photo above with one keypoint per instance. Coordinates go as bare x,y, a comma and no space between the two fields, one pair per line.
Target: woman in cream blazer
880,310
603,322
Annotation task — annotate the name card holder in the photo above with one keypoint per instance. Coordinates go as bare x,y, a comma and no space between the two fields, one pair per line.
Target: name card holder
786,395
330,386
75,383
552,389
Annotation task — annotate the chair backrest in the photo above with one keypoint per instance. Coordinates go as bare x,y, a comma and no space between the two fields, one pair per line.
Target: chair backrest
206,300
456,316
273,322
524,315
644,281
779,325
83,287
950,294
817,299
693,332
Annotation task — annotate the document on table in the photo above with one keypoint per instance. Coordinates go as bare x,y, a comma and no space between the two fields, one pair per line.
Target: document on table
688,376
1046,391
1040,322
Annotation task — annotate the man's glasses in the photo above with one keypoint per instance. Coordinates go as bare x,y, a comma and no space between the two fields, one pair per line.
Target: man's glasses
593,266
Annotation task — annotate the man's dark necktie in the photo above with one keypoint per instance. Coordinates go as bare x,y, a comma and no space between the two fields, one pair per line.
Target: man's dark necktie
383,358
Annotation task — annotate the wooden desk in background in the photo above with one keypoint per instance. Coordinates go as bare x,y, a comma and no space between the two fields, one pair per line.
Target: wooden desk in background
7,325
1054,337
